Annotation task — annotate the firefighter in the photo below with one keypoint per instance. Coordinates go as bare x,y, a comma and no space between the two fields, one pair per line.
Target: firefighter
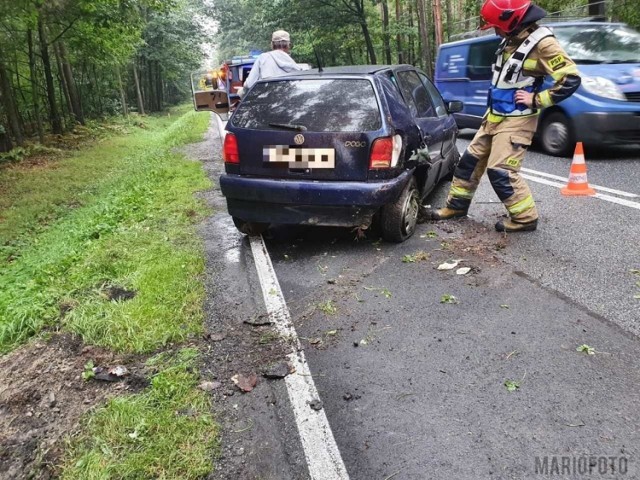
527,53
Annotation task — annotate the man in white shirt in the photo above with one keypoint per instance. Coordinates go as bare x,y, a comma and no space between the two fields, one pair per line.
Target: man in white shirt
273,63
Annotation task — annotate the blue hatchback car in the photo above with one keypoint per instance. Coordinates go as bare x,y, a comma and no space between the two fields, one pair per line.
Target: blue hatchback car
336,147
605,110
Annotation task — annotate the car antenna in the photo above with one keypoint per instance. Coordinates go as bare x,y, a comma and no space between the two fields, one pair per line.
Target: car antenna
318,60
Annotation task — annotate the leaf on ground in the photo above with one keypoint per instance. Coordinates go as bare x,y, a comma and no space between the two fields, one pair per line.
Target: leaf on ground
245,383
386,292
504,305
586,349
408,259
447,298
511,385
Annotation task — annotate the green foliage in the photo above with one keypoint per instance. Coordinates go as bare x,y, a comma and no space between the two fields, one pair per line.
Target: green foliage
94,46
511,385
165,432
120,215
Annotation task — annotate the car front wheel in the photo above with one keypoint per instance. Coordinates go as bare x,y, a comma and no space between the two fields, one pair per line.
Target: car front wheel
556,135
398,219
250,228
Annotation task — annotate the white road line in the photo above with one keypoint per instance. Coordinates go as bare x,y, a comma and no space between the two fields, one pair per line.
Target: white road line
602,196
320,449
598,187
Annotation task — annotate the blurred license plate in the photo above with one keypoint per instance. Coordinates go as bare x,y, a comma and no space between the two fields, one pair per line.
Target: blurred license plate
300,157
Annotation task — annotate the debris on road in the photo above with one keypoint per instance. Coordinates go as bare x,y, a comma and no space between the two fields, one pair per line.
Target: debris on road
278,370
259,321
511,385
214,337
316,404
111,374
209,386
245,383
463,270
447,298
586,349
450,265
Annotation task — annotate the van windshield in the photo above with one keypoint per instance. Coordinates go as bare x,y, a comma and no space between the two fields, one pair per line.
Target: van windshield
600,43
317,105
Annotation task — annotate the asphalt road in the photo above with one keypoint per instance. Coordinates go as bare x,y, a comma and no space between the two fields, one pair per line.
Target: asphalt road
414,388
422,396
585,247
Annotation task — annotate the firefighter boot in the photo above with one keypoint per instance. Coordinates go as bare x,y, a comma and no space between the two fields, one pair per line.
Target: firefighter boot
442,213
508,225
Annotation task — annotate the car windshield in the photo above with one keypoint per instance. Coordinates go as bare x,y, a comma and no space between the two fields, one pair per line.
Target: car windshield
600,43
320,105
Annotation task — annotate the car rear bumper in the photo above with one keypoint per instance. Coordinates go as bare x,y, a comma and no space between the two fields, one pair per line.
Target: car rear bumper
608,128
308,202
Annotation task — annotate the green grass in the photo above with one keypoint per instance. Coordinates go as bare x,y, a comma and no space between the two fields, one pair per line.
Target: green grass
120,213
165,432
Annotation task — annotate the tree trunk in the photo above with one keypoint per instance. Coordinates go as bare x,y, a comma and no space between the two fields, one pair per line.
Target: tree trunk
8,102
65,99
54,116
138,92
411,49
76,104
385,32
399,36
35,96
367,39
159,86
437,21
123,96
448,7
425,52
596,8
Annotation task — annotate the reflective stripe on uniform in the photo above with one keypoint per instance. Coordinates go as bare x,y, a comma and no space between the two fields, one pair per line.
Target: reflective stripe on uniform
522,206
461,192
530,64
544,99
568,70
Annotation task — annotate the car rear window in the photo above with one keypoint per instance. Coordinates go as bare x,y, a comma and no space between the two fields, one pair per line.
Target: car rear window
320,105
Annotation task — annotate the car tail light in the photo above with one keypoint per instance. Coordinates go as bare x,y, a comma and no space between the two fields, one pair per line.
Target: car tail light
381,153
230,150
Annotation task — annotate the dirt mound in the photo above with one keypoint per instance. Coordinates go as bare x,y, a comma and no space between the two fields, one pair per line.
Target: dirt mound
43,396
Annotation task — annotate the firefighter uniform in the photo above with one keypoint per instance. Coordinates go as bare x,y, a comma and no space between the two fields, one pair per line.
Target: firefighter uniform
507,128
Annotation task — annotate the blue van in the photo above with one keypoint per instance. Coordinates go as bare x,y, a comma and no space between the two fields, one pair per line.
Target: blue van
605,110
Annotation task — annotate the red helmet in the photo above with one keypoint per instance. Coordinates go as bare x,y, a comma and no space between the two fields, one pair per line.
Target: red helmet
503,14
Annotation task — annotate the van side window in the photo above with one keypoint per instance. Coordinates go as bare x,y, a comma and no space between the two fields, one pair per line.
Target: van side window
415,94
481,57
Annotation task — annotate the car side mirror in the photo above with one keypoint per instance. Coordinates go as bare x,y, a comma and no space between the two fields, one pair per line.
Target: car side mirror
213,100
455,106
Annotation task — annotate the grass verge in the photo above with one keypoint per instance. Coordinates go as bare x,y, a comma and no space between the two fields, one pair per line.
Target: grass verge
102,243
116,217
165,432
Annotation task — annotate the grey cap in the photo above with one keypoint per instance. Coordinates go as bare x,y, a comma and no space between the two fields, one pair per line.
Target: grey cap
280,36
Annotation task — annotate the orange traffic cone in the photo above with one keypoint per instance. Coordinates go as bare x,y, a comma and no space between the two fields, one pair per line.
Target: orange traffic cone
578,184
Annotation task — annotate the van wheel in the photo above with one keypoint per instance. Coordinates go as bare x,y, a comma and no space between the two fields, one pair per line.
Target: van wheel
398,219
556,135
250,228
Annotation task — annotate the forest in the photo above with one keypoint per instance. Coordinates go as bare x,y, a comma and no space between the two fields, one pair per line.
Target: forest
66,62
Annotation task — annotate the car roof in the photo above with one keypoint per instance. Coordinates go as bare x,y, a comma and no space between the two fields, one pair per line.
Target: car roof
482,35
351,70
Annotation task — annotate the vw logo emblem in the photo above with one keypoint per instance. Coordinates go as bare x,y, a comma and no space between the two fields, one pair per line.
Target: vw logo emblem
299,139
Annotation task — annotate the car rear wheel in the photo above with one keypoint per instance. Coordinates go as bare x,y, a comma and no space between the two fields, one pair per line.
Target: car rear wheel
556,135
250,228
398,219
